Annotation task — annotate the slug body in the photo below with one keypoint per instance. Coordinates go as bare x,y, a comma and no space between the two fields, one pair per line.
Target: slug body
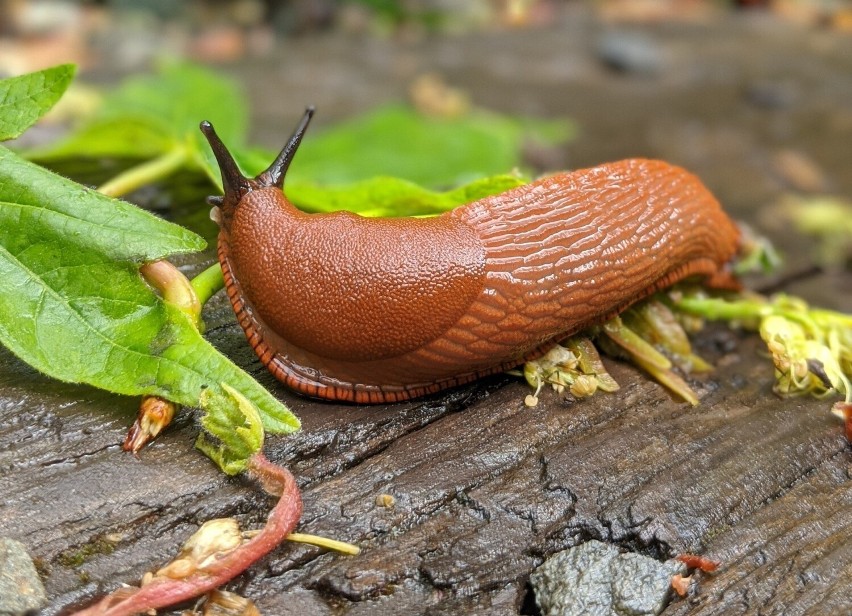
367,310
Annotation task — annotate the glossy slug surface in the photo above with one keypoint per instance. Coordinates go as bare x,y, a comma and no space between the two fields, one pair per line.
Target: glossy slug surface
351,288
376,310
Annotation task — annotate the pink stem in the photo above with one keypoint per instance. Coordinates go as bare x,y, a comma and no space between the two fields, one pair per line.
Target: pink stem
163,592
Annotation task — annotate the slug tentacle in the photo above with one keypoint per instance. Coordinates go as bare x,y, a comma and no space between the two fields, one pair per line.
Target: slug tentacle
344,307
234,183
274,174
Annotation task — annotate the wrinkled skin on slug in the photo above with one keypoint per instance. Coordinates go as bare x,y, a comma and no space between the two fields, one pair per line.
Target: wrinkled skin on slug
343,307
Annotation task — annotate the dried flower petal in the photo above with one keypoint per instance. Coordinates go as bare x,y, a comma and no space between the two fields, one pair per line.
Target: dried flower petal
590,362
811,348
804,359
584,385
213,538
680,584
224,603
575,366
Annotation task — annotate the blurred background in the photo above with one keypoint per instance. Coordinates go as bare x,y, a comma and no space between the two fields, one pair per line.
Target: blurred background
753,96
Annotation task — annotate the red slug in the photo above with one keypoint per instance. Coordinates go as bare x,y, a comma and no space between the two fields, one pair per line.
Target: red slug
368,310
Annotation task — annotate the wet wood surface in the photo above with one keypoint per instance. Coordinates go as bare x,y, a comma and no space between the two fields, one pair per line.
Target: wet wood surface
485,488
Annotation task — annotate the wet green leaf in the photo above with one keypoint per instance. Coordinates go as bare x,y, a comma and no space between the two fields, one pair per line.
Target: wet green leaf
149,115
73,305
376,164
38,206
398,141
24,99
387,196
236,425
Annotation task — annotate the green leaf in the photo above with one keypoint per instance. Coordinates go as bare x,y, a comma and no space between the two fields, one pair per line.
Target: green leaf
386,196
155,115
120,137
150,115
398,141
376,196
73,305
36,204
79,317
235,423
24,99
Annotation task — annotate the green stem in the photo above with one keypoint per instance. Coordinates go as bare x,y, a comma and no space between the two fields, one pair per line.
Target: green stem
146,173
163,591
174,288
719,309
716,309
830,317
635,345
208,283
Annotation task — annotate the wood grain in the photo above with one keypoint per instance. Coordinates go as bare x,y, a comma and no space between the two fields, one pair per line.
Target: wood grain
484,489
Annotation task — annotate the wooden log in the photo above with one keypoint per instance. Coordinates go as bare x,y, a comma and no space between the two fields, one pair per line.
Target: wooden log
484,489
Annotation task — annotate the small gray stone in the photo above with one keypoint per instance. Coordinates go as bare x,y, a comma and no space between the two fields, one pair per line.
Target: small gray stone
597,580
631,52
21,590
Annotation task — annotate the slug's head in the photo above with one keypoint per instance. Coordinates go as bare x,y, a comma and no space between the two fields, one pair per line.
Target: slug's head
234,183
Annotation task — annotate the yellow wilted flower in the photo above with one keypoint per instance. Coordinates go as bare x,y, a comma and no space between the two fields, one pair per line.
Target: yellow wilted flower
576,366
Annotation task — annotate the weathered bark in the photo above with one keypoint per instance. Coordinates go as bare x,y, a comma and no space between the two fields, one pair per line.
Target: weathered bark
484,489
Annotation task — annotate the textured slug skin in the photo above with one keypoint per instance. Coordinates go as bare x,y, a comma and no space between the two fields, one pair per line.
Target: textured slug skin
343,307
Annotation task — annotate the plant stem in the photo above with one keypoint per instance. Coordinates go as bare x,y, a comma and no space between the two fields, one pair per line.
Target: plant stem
145,173
325,542
718,309
174,287
208,283
165,591
156,413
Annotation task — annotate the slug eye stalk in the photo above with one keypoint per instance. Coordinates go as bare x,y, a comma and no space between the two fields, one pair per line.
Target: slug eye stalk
274,174
234,183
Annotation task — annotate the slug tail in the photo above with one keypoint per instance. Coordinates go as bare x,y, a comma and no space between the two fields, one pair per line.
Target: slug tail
274,175
234,183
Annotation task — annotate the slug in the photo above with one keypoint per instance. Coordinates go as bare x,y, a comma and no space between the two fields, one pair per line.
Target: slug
367,310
